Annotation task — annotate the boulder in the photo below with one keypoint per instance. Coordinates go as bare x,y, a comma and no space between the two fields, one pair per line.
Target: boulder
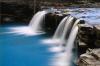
86,34
90,58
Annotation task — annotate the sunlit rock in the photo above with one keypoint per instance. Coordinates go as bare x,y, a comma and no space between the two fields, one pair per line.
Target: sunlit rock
90,58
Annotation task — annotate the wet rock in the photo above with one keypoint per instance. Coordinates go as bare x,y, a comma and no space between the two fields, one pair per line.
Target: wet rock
52,21
90,58
82,22
89,37
97,29
82,44
82,47
87,34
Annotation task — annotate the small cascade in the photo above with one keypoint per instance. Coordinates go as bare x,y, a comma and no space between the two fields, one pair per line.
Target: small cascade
72,36
70,41
60,28
62,31
63,28
34,27
70,44
64,58
36,22
59,37
67,28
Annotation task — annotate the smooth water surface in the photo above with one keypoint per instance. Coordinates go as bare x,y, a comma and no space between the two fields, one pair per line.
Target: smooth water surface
22,49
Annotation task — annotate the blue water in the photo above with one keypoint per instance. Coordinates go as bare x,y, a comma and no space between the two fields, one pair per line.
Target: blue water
20,50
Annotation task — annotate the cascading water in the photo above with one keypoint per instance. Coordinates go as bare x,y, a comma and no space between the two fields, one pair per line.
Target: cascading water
58,32
34,28
60,28
64,58
63,27
72,36
68,26
59,36
70,42
36,22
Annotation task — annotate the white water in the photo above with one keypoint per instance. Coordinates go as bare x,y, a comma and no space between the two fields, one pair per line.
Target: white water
72,36
59,31
68,25
34,28
63,27
70,42
36,22
64,58
62,30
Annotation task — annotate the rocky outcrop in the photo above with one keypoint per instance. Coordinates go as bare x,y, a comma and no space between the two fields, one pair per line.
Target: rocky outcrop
90,58
89,37
85,38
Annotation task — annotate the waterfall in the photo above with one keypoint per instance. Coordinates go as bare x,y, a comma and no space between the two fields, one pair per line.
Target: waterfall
64,58
63,28
70,42
72,36
36,21
60,28
62,31
68,26
34,28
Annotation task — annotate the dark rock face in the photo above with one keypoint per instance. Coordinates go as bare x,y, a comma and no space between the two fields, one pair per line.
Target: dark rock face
89,37
97,30
86,38
13,12
52,21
